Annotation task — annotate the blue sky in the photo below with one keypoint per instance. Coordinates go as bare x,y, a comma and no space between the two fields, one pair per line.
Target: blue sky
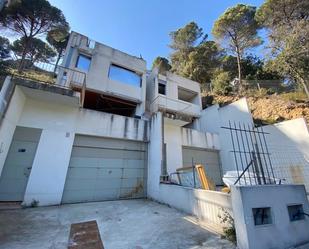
141,27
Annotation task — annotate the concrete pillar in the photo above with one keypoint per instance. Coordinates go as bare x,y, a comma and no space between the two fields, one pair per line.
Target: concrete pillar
154,155
49,169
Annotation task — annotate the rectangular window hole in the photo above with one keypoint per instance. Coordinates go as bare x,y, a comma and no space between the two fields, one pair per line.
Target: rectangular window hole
296,212
262,216
83,62
162,88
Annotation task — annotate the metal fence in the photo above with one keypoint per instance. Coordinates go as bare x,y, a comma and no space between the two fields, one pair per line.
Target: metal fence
251,155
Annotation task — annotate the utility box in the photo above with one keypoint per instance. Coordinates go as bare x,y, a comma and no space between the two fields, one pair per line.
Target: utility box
270,216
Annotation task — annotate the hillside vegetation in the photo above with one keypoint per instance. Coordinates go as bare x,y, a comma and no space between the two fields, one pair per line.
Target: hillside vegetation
271,109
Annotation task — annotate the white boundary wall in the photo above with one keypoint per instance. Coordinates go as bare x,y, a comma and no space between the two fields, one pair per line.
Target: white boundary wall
205,204
288,144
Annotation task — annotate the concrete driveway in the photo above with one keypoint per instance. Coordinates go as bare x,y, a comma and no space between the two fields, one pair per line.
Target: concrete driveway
132,224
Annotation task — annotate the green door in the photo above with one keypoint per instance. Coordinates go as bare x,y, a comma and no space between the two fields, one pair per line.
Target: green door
208,158
105,169
18,164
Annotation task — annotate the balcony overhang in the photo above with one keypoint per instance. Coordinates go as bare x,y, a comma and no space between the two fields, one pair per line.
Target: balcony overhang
48,92
176,109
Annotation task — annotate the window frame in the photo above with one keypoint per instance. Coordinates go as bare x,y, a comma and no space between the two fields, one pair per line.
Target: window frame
271,218
302,215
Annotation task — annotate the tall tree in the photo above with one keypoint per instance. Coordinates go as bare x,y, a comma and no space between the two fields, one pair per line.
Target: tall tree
162,64
202,62
237,31
4,48
183,41
289,50
38,50
58,38
31,18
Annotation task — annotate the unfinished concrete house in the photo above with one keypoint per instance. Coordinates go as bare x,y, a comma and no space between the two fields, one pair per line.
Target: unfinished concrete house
108,129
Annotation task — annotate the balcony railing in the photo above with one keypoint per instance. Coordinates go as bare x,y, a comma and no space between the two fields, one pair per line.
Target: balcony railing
47,73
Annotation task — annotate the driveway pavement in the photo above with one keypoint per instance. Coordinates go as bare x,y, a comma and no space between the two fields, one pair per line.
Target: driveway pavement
128,224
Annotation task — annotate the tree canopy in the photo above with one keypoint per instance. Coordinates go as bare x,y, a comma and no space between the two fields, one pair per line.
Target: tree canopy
202,62
289,50
162,64
58,38
237,31
38,50
183,42
31,18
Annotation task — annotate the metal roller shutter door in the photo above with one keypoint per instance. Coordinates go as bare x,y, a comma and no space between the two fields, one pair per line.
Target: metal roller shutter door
105,169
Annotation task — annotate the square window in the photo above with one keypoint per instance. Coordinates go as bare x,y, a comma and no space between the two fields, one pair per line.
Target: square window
83,62
262,216
296,212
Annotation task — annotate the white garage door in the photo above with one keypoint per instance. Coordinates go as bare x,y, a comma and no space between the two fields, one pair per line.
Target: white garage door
105,169
208,158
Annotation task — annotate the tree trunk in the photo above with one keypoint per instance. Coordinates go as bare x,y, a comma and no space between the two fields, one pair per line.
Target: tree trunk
305,87
23,56
57,62
239,70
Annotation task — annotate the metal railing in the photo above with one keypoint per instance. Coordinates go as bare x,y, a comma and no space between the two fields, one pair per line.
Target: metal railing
47,73
251,155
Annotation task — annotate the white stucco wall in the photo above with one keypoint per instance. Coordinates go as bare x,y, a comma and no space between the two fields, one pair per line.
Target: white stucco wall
49,169
214,118
288,144
282,233
9,123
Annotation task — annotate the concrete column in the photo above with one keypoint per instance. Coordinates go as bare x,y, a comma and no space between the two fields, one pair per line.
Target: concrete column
154,156
49,169
173,140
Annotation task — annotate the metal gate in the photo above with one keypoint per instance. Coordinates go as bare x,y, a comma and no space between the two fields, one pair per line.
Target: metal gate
105,169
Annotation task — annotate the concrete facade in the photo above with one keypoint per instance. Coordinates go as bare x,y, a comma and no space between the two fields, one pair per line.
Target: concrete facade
281,232
97,77
59,124
171,100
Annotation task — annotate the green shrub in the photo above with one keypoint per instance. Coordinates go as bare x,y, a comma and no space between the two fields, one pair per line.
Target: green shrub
229,227
221,83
